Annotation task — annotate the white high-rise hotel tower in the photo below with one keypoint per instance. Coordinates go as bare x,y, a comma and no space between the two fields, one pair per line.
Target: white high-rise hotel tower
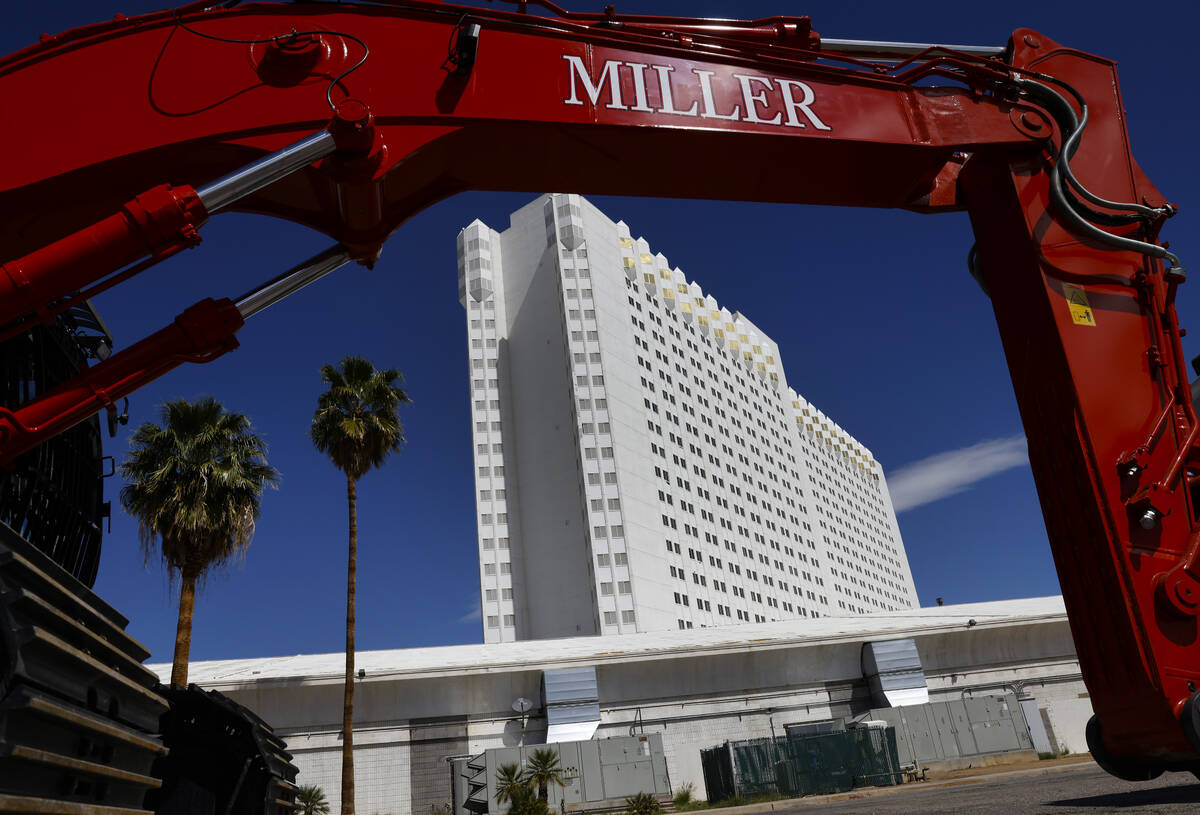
641,463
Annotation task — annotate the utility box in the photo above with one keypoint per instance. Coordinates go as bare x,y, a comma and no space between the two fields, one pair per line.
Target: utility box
960,728
597,775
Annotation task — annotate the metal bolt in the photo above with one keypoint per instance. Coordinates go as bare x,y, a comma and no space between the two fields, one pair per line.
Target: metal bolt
1133,470
1032,41
1149,519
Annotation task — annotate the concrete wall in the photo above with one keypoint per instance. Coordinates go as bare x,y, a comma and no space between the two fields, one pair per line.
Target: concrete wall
406,728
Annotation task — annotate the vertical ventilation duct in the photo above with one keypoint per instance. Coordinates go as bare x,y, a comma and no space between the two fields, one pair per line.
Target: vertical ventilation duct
893,671
571,699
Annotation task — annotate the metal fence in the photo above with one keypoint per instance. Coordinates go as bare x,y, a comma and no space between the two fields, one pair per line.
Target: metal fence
792,766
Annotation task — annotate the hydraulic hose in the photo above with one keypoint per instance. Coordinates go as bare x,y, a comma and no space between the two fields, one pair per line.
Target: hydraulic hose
1061,109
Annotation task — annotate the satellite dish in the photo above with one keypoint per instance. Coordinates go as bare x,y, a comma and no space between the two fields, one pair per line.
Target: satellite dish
522,705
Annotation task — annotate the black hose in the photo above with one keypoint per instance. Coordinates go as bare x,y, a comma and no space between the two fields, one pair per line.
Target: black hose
1058,193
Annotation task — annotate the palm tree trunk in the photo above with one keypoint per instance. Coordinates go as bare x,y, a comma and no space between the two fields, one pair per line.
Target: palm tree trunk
348,701
183,630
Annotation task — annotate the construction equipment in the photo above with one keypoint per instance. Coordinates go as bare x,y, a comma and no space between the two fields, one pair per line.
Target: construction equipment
350,118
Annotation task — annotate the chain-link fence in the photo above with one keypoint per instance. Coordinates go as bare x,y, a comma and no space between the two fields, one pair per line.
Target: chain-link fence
802,765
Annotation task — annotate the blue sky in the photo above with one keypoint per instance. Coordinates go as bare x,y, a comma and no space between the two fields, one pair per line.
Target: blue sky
877,320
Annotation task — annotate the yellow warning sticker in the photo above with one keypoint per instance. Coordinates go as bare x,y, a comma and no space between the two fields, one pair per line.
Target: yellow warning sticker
1081,310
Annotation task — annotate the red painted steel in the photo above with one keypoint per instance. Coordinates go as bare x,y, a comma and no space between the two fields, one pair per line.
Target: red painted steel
201,333
652,106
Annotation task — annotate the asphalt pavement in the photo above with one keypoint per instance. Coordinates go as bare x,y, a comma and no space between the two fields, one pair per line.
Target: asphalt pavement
1065,790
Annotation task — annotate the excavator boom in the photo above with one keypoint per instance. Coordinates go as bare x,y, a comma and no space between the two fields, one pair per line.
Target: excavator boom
135,131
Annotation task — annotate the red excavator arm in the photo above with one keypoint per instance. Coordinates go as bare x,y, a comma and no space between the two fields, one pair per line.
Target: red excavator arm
353,117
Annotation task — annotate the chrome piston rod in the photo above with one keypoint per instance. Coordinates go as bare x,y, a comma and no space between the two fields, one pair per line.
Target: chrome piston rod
904,49
266,170
292,281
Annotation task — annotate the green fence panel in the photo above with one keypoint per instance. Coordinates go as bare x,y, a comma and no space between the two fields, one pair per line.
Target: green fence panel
805,765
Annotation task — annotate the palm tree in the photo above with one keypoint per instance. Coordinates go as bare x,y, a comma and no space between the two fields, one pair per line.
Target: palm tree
544,770
513,785
510,783
312,801
194,486
357,426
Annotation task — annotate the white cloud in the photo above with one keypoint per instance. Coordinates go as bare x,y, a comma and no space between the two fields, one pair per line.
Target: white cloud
953,471
472,615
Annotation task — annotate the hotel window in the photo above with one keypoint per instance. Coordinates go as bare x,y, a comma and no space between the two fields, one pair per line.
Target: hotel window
493,622
606,589
610,618
602,560
620,559
624,587
628,616
489,568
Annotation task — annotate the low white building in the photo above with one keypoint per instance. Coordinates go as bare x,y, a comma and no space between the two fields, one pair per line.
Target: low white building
417,707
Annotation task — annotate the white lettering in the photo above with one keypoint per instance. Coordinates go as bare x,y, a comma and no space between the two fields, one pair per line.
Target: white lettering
639,86
668,102
797,97
750,98
710,108
578,70
791,105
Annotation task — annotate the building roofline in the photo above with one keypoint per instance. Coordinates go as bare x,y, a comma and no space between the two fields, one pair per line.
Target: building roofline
526,655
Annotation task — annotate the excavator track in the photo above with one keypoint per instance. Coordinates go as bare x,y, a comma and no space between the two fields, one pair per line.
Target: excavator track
79,716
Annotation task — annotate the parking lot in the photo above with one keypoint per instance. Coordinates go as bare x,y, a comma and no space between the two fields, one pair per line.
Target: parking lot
1072,788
